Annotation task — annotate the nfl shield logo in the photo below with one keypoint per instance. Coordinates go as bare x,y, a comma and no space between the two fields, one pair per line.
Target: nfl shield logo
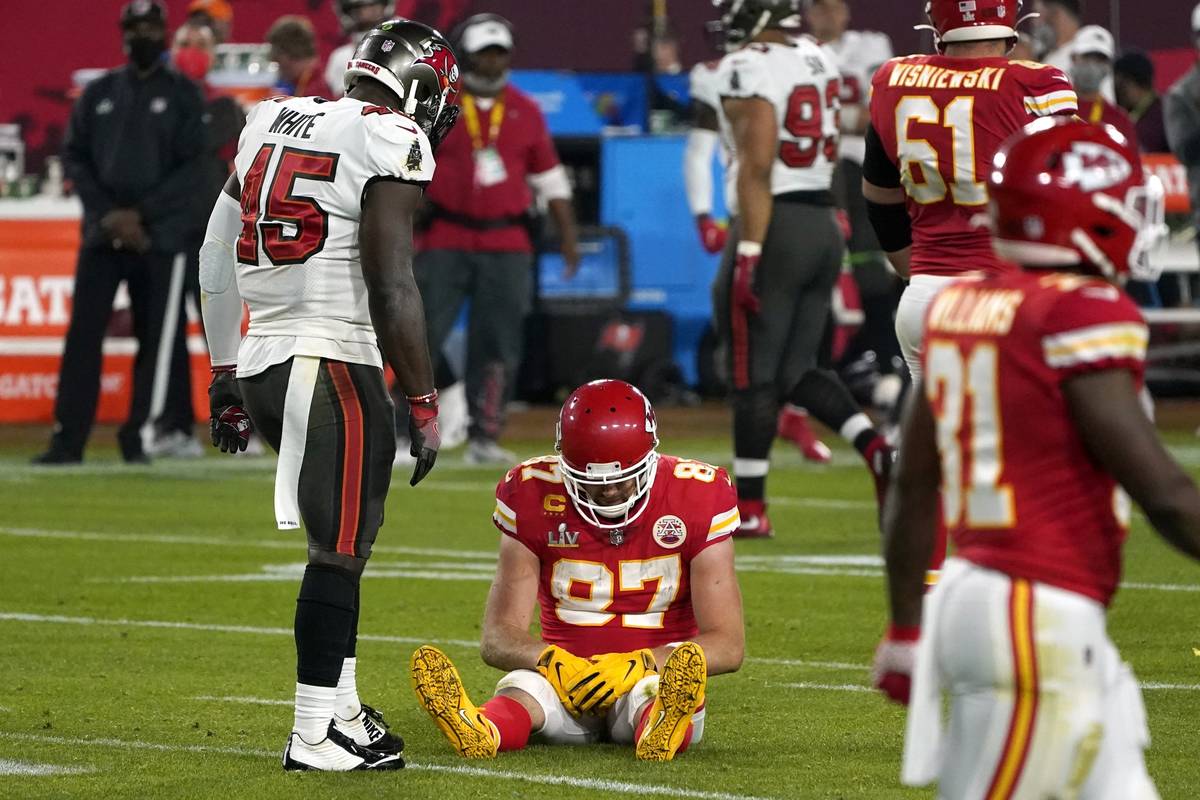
388,45
967,9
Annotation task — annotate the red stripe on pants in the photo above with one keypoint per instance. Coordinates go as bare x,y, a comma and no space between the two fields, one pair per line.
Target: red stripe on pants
741,349
352,455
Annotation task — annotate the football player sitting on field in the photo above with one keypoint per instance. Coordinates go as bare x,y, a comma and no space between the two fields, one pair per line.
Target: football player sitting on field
628,553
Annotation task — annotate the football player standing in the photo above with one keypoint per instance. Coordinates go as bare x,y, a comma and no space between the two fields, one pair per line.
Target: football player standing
1029,419
628,553
936,122
314,233
771,297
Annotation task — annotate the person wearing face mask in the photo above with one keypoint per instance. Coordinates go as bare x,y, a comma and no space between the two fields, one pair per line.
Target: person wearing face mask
357,17
133,150
1058,23
1181,109
192,55
1091,65
491,168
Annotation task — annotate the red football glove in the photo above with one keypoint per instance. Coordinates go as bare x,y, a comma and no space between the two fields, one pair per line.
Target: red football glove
744,298
424,436
228,422
892,671
712,233
843,221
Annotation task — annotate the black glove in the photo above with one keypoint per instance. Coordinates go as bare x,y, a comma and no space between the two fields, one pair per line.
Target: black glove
228,422
425,437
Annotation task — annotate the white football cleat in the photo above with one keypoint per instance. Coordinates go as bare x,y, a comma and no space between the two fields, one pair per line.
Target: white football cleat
453,415
370,730
335,753
485,452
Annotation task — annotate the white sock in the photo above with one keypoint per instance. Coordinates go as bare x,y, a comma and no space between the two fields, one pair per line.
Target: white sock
314,711
347,704
792,408
854,426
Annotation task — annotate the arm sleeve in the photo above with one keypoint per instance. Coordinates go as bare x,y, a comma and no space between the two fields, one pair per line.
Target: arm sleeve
553,184
175,193
77,158
396,148
878,168
697,169
1094,327
220,300
1048,92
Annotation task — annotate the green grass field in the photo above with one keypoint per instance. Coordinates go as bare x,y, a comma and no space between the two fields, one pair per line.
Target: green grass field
146,650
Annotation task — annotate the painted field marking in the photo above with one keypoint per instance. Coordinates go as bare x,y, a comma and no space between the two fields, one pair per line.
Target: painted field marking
253,701
621,787
10,767
826,687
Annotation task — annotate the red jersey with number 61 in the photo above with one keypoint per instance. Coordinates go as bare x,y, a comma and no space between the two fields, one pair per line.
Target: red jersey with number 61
941,120
1020,494
304,165
601,597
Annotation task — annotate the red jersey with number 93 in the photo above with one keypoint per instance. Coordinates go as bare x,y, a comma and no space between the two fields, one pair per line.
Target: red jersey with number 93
941,121
1020,494
601,597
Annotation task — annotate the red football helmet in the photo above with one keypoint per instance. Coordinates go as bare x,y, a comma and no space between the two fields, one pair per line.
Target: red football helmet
607,435
972,20
1066,193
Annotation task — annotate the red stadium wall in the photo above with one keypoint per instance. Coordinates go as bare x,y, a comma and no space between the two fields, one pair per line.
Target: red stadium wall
39,53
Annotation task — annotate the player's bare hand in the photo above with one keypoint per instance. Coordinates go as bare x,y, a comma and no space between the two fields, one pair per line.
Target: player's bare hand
570,255
228,422
893,668
424,436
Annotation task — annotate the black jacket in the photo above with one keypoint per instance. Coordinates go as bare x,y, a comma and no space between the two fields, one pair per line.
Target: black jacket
138,143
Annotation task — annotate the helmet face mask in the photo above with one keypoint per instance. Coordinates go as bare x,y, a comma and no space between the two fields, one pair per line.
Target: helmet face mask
416,63
1069,194
607,439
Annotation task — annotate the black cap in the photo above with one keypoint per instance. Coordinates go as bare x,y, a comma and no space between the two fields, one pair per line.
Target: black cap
136,11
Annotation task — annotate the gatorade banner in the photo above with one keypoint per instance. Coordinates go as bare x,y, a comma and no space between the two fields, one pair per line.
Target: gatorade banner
37,281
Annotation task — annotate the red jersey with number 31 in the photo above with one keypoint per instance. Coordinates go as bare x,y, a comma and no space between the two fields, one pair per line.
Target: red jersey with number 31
941,120
1020,494
600,597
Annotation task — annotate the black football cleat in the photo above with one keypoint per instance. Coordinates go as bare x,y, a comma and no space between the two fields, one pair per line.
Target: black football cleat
369,730
335,753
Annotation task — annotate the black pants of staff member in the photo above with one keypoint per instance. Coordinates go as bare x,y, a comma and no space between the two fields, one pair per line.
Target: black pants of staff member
178,413
98,274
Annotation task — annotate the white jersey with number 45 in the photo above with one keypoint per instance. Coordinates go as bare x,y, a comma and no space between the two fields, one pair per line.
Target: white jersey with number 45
304,165
801,82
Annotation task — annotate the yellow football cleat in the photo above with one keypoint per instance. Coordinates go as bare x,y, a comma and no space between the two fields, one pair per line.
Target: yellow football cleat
680,693
440,691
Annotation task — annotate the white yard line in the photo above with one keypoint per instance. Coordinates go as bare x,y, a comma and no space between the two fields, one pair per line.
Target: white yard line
792,662
253,701
1175,687
10,767
825,687
279,577
620,787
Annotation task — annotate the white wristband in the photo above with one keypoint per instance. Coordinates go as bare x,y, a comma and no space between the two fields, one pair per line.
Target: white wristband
749,248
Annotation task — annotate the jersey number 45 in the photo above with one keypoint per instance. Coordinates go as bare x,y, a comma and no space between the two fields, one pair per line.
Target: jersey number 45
292,228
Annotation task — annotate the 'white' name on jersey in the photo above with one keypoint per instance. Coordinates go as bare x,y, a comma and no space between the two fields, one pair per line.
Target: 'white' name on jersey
801,82
304,166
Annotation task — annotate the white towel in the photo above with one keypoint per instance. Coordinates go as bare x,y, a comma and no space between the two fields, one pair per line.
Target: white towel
296,405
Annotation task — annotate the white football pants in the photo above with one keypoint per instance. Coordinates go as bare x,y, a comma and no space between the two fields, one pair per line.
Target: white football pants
910,317
1041,705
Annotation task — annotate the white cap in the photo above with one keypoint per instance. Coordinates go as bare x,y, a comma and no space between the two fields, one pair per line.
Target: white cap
486,33
1196,19
1093,39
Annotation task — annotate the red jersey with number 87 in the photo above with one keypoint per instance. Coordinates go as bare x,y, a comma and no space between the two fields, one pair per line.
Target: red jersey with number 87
1020,494
601,597
941,120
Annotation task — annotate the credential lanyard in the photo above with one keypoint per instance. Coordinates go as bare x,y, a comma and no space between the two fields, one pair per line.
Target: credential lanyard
471,116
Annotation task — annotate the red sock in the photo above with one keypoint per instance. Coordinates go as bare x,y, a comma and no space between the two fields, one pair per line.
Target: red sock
511,719
641,726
